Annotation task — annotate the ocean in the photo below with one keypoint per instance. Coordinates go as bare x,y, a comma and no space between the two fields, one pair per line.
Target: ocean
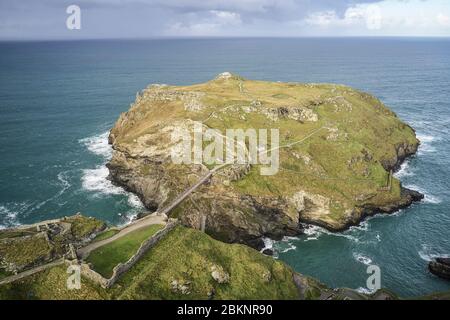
59,99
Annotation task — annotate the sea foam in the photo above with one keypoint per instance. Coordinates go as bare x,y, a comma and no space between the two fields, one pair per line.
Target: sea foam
96,180
427,254
426,144
428,197
365,290
63,183
98,145
362,258
268,244
7,216
10,213
404,171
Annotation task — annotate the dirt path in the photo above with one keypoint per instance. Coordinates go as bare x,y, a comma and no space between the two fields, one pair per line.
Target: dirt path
31,271
138,224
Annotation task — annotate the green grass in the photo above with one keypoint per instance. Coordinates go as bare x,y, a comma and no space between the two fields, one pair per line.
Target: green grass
15,233
51,284
105,258
183,255
105,235
84,226
187,255
27,251
4,274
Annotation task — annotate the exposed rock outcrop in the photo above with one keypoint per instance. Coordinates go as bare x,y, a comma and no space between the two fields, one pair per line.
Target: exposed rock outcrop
219,274
440,267
32,245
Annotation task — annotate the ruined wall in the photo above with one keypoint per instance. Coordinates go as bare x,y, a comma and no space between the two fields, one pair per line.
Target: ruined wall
121,268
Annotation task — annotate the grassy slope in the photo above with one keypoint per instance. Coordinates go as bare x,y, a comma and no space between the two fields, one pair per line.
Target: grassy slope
25,251
83,226
105,235
105,258
187,255
338,170
4,274
51,284
183,255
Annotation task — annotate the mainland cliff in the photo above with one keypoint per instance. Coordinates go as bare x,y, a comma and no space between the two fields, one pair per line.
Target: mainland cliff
338,149
185,264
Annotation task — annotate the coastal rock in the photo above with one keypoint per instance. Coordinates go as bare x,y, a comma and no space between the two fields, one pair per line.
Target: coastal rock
219,275
181,287
440,267
29,246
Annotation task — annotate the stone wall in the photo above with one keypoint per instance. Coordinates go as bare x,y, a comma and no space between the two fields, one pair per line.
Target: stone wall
121,268
93,276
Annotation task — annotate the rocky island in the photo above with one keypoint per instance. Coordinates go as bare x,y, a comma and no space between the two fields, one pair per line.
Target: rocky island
339,173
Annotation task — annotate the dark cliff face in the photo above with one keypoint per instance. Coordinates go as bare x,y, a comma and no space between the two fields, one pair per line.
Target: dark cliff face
403,151
227,216
334,179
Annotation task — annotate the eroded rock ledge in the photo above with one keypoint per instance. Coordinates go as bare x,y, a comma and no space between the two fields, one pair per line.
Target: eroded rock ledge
333,179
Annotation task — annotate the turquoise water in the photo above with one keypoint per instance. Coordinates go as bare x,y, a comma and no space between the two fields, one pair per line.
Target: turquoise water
58,100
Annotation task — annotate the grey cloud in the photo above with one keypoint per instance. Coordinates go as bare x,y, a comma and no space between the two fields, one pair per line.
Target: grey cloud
45,19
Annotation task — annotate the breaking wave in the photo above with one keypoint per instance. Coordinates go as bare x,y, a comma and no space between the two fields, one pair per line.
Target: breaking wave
365,290
404,171
8,217
427,254
426,144
363,226
428,197
268,244
96,180
314,232
10,213
287,244
98,145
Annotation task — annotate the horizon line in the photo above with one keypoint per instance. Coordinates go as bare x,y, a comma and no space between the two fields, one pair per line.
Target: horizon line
225,38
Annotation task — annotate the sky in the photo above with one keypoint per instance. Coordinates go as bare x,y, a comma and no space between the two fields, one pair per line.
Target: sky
47,19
